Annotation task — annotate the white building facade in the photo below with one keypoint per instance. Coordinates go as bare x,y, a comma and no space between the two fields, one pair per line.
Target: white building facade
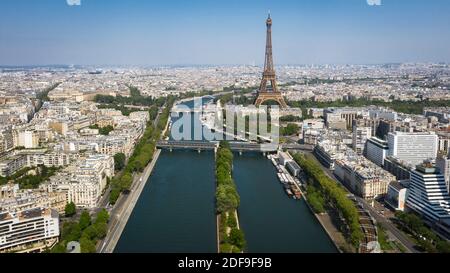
413,148
377,150
427,194
30,230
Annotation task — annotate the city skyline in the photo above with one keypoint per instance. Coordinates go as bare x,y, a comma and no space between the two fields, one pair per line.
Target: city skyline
157,130
219,33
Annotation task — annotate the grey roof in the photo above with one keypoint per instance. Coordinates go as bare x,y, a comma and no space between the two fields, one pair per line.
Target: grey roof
397,186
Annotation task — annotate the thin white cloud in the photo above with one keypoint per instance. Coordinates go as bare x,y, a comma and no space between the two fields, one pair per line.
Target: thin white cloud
73,2
374,2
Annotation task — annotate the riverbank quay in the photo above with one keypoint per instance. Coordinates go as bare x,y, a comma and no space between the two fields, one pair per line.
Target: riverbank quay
290,176
124,203
326,196
124,207
332,231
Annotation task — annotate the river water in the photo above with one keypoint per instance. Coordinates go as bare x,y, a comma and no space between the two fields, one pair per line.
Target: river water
176,210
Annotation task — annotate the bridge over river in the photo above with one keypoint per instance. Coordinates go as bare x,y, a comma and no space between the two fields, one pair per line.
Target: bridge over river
235,146
176,211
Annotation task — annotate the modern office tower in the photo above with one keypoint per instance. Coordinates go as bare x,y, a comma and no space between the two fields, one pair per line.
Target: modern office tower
360,137
28,231
413,148
427,194
377,150
443,163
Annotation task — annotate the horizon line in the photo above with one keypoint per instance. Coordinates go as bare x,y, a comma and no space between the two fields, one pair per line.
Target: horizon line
236,64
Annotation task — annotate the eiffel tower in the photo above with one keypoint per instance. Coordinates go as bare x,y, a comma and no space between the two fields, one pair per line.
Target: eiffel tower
271,92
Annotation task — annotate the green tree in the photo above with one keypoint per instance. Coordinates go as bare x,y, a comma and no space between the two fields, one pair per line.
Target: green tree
59,248
102,216
227,198
101,229
443,246
334,194
119,161
232,222
87,245
225,248
290,129
114,195
126,180
71,231
70,209
237,238
85,220
90,232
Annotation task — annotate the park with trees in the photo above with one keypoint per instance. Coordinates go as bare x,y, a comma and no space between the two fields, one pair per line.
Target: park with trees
426,239
289,130
135,99
104,131
402,106
85,231
31,177
328,195
232,239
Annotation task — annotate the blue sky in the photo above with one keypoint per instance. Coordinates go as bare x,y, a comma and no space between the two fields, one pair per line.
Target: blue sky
142,32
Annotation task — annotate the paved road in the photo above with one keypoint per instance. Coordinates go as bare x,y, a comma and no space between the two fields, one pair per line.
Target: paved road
121,211
386,223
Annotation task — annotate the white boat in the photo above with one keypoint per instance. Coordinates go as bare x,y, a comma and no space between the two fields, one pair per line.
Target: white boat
289,192
274,162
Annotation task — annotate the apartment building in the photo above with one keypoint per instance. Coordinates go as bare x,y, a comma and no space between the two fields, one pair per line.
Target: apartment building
14,200
28,231
359,138
363,177
83,182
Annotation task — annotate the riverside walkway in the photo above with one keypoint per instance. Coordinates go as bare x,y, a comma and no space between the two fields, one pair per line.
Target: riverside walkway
126,203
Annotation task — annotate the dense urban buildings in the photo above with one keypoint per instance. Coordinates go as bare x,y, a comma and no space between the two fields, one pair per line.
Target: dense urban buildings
30,230
72,136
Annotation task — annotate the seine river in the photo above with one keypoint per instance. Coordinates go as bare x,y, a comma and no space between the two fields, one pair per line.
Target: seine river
175,212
